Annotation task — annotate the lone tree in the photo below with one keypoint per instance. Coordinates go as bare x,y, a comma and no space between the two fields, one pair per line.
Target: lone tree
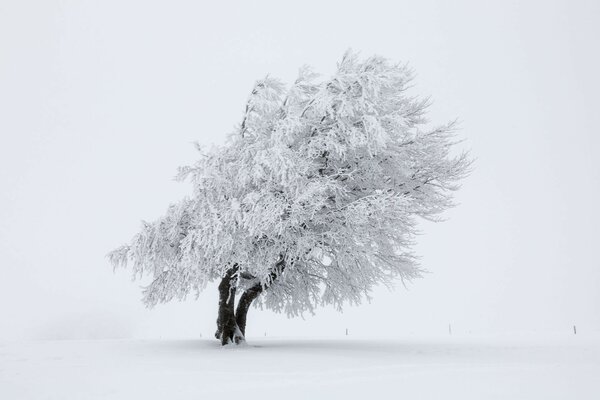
312,201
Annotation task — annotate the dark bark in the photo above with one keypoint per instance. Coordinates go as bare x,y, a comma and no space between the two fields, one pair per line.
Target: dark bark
231,324
227,330
244,303
250,294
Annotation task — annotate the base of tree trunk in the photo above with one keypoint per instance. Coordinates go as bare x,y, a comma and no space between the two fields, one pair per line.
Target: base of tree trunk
230,336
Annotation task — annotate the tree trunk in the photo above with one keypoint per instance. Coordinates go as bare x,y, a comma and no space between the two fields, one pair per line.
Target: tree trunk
227,329
231,325
246,299
243,306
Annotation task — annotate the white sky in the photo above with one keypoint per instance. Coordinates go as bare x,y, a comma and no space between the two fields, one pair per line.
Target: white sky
100,102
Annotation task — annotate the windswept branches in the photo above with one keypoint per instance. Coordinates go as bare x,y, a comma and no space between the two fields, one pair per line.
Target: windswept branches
326,177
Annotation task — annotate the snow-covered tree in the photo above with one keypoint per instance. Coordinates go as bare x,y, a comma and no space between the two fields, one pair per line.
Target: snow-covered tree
312,201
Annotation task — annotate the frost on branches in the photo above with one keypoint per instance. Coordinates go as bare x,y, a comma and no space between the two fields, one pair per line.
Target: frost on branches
312,201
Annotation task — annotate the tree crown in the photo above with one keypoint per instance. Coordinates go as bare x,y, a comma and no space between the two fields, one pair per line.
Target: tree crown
315,195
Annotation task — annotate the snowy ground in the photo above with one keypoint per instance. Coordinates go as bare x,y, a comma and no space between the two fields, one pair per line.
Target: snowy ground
565,367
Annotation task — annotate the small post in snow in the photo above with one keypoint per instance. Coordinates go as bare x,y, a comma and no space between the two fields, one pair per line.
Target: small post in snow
574,330
346,331
450,329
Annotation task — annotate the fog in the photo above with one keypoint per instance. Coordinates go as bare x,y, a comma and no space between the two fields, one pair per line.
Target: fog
100,102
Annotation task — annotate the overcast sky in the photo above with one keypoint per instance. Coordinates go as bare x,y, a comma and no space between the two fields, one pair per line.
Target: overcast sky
100,103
